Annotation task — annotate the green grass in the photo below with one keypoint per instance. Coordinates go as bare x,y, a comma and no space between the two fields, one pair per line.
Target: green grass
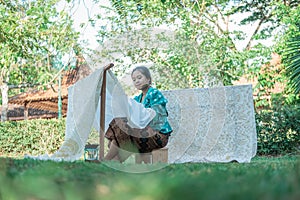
263,178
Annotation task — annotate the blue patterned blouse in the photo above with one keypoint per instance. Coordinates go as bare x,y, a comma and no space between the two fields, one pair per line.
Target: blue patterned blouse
154,99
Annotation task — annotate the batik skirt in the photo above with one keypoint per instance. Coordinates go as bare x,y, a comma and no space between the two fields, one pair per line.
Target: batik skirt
135,140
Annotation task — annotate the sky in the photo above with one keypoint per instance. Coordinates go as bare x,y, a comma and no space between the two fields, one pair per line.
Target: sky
81,11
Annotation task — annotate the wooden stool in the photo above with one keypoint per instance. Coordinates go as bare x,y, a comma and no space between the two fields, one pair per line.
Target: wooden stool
160,155
156,156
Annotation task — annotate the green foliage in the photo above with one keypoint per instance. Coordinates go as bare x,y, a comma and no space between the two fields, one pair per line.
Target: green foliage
179,68
202,46
267,78
278,115
32,34
292,61
216,28
293,68
32,137
278,129
288,45
267,178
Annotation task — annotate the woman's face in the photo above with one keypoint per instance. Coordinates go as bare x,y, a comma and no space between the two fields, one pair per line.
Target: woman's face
139,80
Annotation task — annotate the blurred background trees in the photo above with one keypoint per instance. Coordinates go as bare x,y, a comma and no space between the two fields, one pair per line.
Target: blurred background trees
206,43
34,36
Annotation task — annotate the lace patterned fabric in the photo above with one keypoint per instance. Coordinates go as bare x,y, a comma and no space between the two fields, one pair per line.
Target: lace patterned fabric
212,124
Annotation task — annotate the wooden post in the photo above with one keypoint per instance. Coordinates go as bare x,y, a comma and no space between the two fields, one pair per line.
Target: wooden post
25,110
59,103
102,111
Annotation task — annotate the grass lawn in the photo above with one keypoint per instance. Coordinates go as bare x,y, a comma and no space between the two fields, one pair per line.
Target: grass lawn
263,178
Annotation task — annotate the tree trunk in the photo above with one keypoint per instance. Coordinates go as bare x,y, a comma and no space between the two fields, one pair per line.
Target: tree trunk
4,92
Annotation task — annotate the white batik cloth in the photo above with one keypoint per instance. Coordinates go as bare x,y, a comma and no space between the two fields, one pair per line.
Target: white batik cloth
212,124
84,113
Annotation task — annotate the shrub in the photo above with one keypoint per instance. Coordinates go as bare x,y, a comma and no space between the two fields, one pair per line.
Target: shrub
34,137
31,137
278,130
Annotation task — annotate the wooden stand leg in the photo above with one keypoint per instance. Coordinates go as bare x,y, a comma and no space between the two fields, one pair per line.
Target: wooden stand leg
102,112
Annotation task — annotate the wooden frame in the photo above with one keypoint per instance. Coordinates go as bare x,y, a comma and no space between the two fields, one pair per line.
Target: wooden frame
102,112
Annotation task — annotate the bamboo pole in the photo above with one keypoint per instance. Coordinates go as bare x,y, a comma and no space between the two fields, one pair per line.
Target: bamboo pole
102,111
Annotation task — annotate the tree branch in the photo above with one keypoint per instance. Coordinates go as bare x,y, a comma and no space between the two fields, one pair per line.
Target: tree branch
209,17
222,16
248,46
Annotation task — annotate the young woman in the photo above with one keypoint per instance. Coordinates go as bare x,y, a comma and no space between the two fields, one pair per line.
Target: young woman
124,140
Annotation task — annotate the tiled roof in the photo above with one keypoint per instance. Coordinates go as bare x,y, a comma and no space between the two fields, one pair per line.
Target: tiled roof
47,100
43,99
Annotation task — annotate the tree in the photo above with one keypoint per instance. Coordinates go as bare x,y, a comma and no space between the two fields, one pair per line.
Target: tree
216,28
203,26
289,45
32,35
